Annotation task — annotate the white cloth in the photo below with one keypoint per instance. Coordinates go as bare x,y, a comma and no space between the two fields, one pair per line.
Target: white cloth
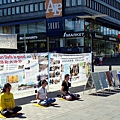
43,93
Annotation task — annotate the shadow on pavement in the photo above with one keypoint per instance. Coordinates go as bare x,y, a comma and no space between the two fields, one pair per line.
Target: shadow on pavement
26,100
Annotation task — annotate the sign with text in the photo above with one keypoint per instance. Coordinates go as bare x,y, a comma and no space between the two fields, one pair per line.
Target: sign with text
8,41
54,27
53,8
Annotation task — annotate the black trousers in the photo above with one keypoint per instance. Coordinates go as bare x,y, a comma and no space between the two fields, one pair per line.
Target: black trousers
7,113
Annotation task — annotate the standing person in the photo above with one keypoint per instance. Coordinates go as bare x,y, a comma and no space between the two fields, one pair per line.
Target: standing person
65,90
42,95
7,103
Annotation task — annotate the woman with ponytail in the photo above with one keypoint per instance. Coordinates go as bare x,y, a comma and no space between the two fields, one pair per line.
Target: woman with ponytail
7,103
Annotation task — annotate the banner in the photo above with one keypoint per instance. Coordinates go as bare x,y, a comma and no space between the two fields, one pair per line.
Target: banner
8,41
23,71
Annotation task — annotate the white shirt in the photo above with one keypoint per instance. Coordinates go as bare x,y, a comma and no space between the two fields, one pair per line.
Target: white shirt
43,93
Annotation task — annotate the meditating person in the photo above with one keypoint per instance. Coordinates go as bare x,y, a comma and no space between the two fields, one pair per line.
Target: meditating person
42,95
7,103
66,94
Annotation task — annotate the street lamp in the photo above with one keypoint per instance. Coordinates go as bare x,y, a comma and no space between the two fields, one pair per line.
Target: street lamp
92,32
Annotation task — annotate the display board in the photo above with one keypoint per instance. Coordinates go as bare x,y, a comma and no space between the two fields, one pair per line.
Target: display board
109,78
96,80
103,79
115,77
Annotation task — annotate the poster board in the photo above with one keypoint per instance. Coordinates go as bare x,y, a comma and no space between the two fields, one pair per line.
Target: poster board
109,78
115,77
103,79
96,80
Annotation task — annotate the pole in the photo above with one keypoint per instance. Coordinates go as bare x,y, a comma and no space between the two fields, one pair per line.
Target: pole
48,39
92,34
25,42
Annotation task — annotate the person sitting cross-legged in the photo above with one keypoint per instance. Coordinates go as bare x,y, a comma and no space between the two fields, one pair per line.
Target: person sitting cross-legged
66,94
7,103
42,95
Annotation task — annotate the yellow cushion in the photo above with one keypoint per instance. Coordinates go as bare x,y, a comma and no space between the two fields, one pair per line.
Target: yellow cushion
1,116
37,105
62,99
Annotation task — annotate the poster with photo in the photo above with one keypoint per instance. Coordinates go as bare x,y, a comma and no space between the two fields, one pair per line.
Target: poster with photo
55,72
79,65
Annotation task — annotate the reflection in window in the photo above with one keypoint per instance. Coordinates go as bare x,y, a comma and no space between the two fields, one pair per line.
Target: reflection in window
67,3
41,6
5,12
4,1
0,12
26,8
69,25
9,11
31,8
41,26
79,2
13,10
32,28
21,9
73,2
23,29
17,10
36,7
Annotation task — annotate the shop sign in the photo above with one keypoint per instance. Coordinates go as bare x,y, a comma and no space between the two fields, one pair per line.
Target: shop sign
98,36
54,27
8,41
110,38
53,8
29,38
73,34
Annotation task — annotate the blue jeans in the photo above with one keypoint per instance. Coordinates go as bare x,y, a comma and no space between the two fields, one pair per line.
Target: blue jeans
47,102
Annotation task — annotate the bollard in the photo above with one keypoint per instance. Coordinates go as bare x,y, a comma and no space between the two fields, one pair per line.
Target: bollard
110,67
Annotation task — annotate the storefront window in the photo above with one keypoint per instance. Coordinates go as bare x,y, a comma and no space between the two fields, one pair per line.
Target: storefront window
41,26
75,42
32,28
69,24
23,29
79,25
87,26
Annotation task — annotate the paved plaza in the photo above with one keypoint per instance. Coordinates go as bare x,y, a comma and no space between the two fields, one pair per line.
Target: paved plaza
89,107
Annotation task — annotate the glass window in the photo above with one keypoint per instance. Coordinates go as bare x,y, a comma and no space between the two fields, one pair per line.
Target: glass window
79,25
17,10
0,1
26,8
69,24
79,2
13,0
45,5
4,1
73,2
36,7
31,8
23,29
41,6
22,9
67,3
41,26
5,12
0,12
9,11
32,28
13,10
9,1
17,0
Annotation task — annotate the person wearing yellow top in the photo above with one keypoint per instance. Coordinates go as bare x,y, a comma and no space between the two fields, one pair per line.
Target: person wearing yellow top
7,103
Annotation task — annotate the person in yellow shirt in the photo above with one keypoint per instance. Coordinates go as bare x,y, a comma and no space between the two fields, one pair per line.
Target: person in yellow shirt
7,103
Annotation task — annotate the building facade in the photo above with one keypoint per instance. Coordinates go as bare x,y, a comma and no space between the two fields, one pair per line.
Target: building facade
27,19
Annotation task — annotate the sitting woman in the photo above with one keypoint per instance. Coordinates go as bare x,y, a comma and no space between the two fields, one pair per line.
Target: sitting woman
65,90
7,103
42,95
